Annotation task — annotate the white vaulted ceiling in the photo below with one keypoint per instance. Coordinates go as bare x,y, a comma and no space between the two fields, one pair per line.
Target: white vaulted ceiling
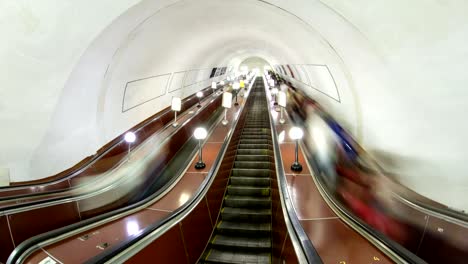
398,66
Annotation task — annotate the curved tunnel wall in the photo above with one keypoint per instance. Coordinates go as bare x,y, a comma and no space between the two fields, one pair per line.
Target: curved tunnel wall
398,70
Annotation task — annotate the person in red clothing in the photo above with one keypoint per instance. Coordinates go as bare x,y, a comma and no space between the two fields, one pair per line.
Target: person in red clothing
368,195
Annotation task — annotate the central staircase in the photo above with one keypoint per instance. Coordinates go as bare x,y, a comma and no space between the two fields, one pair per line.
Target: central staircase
243,231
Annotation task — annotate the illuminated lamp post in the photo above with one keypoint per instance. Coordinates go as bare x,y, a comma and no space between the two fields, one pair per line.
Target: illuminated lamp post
176,106
214,86
199,95
129,137
296,133
200,134
227,102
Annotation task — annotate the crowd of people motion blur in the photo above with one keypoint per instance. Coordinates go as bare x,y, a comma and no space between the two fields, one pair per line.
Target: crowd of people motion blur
359,185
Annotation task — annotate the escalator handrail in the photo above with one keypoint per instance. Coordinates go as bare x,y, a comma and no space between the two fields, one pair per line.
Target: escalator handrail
34,243
447,213
133,244
71,198
95,156
390,247
298,235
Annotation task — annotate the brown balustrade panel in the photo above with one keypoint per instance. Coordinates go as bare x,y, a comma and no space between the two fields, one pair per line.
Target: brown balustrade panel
33,222
288,255
6,245
53,217
168,248
196,230
446,237
63,185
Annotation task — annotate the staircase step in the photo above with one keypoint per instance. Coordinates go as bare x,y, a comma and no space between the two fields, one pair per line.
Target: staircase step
255,141
255,146
225,256
244,214
250,181
254,158
251,173
252,191
251,244
241,229
246,201
255,136
253,165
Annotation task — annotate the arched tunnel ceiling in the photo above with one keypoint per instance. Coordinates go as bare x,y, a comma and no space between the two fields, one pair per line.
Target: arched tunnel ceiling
399,65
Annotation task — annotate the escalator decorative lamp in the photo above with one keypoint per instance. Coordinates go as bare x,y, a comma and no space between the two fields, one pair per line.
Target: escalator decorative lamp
200,134
199,95
129,137
214,86
227,102
282,104
296,133
176,105
236,87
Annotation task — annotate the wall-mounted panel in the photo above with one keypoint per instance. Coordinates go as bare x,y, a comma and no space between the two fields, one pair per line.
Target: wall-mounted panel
302,74
177,81
190,77
290,71
283,70
322,80
4,177
203,75
142,91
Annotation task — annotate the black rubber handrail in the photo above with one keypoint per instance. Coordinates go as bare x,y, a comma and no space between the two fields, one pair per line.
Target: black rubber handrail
301,236
176,215
448,212
94,158
395,247
51,200
30,245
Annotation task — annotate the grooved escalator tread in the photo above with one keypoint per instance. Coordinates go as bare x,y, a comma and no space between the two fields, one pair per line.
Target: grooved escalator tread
243,231
224,256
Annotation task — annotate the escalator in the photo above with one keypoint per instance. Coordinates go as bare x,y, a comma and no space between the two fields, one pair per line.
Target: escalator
243,233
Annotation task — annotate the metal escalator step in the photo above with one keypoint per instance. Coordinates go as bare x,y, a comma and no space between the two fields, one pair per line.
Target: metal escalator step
251,173
255,141
250,181
255,146
245,214
253,165
225,256
251,244
240,229
247,201
244,190
254,158
253,136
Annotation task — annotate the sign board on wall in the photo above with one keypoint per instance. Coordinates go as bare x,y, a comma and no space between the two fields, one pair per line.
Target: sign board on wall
4,177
